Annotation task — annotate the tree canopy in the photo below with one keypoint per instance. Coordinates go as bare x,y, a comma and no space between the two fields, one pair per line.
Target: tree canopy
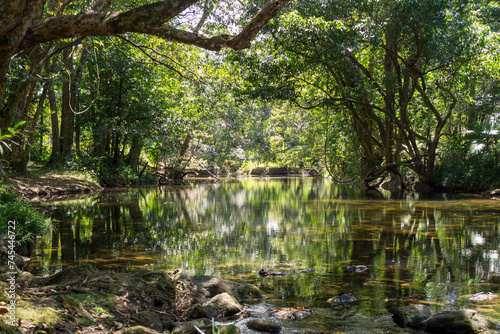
370,90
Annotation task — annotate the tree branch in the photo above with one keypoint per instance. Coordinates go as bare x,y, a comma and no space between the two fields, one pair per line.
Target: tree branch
149,19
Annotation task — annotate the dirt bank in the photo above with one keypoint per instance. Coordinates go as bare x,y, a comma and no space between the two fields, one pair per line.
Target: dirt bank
50,185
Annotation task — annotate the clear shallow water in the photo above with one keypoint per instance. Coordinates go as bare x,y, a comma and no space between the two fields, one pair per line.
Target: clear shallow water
433,250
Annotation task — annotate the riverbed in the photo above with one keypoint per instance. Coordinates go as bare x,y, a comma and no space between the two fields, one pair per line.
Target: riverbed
436,250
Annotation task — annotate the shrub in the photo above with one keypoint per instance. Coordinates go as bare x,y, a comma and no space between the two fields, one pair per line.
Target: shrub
29,223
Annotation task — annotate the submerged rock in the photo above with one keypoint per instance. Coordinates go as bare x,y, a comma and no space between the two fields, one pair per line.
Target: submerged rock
343,298
263,326
265,272
481,296
357,269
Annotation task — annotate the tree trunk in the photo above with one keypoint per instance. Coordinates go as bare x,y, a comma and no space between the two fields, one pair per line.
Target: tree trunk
67,117
54,120
135,152
26,156
116,148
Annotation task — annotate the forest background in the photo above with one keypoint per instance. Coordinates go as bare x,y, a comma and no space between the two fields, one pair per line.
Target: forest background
366,90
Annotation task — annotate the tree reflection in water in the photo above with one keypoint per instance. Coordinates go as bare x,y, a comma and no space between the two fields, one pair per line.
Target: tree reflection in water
417,249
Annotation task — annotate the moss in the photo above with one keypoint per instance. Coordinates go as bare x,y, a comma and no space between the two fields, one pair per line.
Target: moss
43,317
3,296
7,329
137,330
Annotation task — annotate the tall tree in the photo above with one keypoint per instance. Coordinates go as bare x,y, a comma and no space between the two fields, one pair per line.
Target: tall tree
393,68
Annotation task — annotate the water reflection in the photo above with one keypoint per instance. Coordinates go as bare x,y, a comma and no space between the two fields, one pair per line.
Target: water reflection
430,250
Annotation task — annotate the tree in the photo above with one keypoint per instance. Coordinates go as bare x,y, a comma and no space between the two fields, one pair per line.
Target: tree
393,69
23,25
35,33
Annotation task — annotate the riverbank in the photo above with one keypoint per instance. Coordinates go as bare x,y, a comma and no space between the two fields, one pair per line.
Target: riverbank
82,299
50,184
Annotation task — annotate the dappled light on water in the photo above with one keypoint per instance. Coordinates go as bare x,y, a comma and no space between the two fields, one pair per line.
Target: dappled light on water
433,250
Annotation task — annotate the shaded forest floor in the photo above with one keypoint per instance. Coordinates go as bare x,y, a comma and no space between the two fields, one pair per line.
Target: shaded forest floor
51,183
82,299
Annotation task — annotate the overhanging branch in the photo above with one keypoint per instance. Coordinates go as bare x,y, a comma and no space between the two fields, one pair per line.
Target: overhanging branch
149,19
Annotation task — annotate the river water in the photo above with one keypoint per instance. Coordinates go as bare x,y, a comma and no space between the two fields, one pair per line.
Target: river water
435,250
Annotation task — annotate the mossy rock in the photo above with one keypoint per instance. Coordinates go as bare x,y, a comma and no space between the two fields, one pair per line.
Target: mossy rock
137,330
149,319
211,286
225,304
43,317
199,311
247,292
188,327
3,296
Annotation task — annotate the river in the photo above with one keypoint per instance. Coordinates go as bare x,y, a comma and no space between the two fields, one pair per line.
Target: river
436,250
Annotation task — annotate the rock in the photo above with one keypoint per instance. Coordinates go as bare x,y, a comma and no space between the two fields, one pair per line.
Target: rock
149,319
343,298
211,286
357,269
494,193
137,330
225,304
264,272
231,329
481,296
263,326
246,292
292,313
200,311
455,322
167,322
412,316
188,327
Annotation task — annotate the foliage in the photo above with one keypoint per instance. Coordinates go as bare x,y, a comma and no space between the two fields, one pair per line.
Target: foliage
29,223
390,72
357,88
7,139
471,159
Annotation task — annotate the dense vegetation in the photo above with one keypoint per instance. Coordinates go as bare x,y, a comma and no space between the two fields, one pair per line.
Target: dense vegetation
20,223
406,90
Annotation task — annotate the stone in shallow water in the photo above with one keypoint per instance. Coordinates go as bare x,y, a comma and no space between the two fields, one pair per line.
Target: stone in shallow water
358,268
481,296
412,316
263,326
343,298
264,272
455,322
445,322
292,313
